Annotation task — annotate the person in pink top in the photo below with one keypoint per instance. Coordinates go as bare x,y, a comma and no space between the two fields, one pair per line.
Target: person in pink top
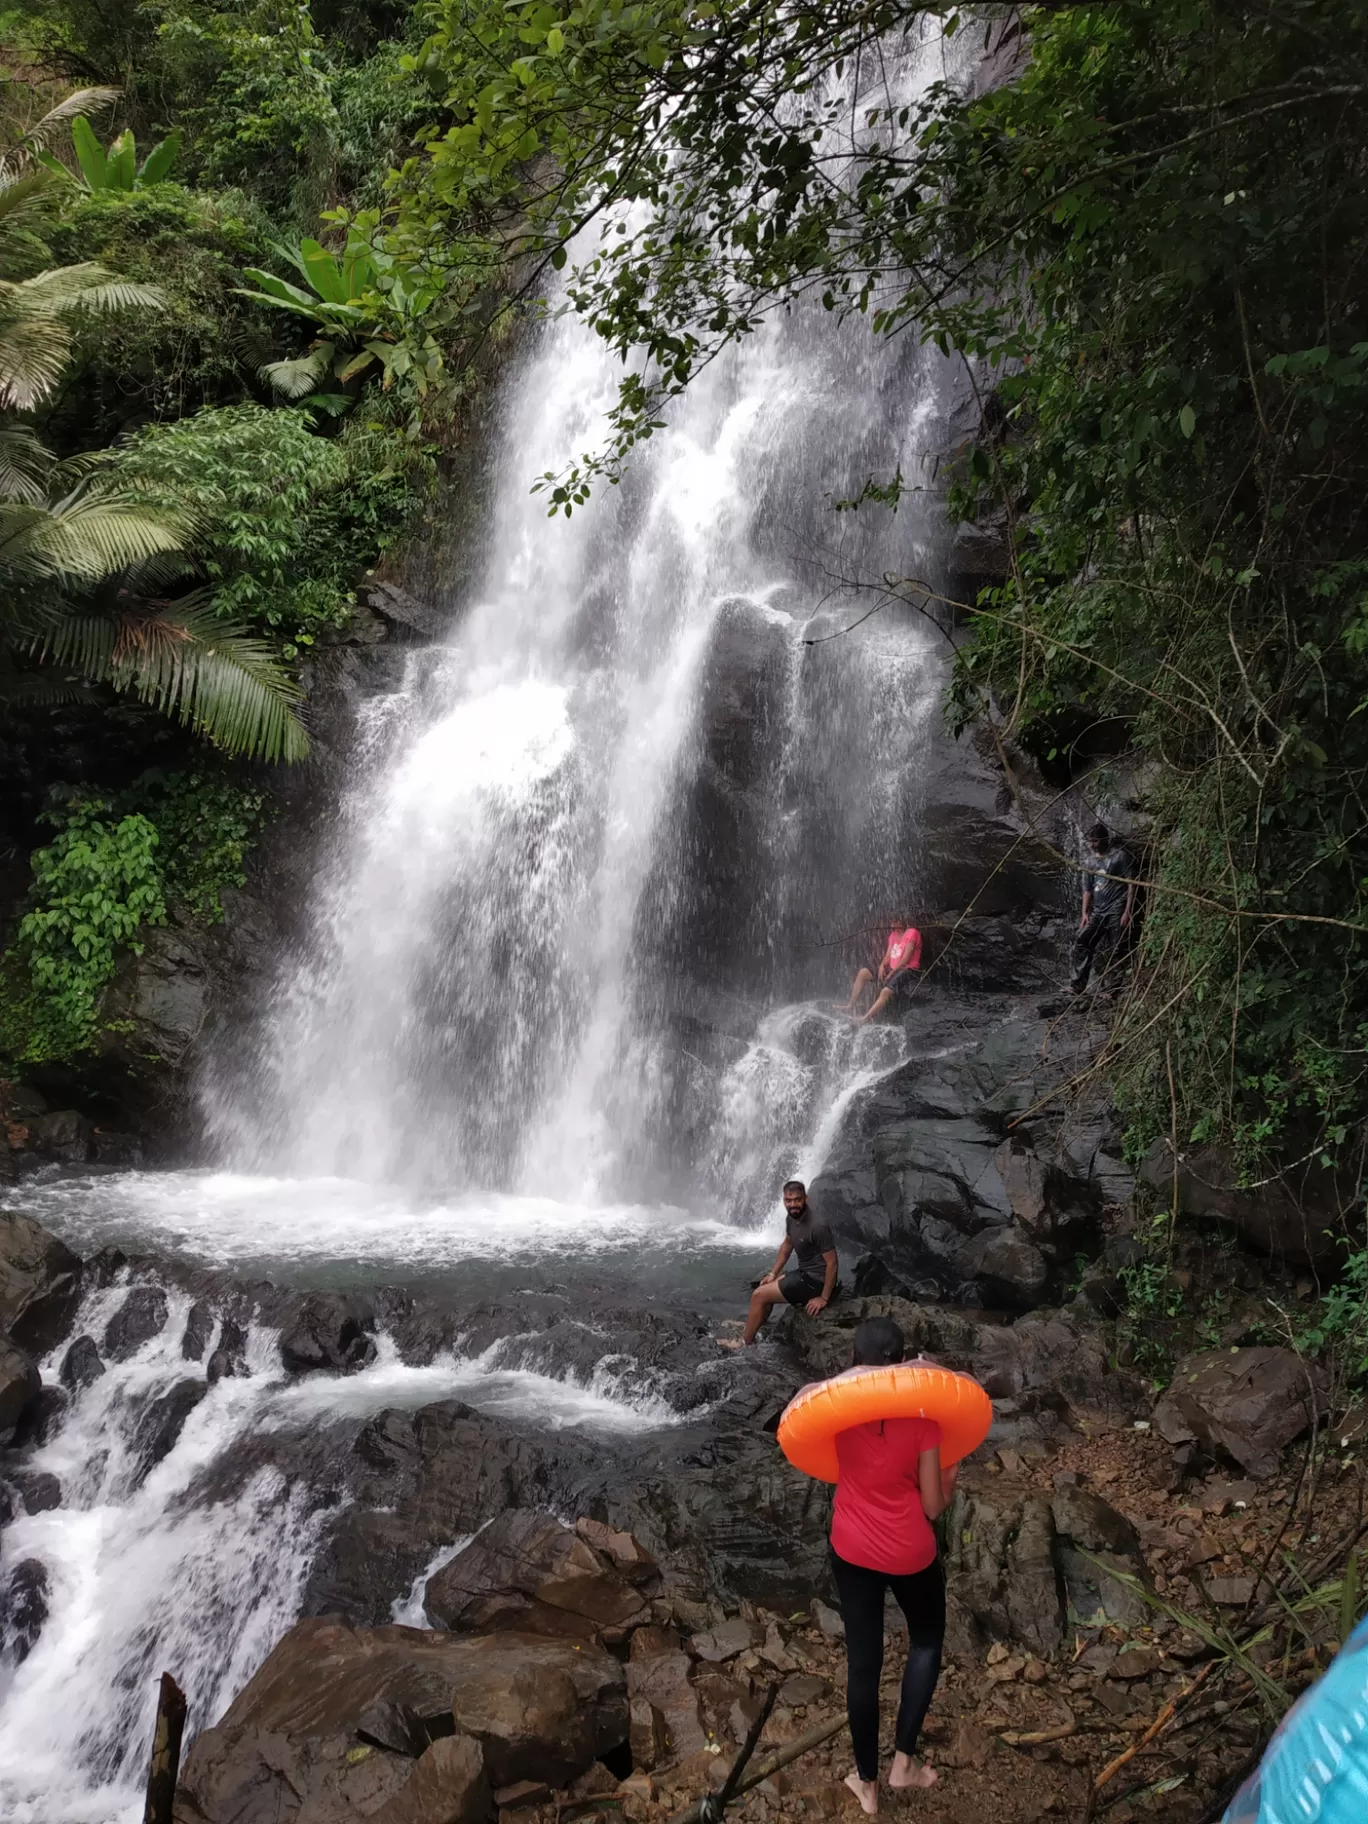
895,976
891,1488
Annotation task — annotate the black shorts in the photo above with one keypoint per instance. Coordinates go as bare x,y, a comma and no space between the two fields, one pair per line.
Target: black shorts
798,1288
900,986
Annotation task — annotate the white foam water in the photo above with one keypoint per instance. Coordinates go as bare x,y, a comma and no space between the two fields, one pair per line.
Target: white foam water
146,1572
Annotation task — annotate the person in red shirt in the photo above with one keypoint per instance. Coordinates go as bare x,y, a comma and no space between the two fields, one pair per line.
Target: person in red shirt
895,977
891,1488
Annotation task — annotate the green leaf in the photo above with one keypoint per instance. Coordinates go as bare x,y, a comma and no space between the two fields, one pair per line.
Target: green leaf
89,155
161,158
1187,421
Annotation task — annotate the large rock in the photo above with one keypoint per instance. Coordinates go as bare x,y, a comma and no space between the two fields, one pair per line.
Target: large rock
666,1720
287,1749
140,1317
1247,1404
328,1331
1024,1570
448,1786
39,1283
23,1608
922,1176
1298,1218
19,1384
528,1572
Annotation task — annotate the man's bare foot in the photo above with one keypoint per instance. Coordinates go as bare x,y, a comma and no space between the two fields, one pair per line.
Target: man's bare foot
906,1772
866,1791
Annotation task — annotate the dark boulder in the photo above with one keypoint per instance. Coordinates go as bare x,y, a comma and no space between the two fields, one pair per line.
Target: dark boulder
161,1422
81,1365
526,1571
922,1176
418,1481
39,1491
43,1416
140,1317
1298,1218
39,1283
199,1328
19,1384
23,1608
1244,1404
230,1356
63,1134
329,1331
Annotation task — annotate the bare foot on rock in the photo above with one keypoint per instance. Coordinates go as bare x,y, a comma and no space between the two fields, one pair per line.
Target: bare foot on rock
866,1791
906,1772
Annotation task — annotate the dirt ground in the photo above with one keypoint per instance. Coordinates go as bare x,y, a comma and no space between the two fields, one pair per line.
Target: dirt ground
1211,1545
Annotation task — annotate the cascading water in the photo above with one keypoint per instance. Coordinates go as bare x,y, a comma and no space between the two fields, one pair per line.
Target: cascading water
625,786
562,995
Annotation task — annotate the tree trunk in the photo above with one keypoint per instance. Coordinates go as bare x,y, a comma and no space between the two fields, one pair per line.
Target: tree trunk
166,1751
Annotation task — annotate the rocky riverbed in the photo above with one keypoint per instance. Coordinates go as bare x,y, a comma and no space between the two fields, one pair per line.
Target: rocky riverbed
653,1548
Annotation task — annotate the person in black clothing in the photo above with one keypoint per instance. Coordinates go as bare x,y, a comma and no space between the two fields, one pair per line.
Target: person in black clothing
812,1283
1108,902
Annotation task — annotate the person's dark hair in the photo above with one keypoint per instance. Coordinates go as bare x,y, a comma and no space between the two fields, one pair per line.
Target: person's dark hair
795,1184
878,1343
1099,835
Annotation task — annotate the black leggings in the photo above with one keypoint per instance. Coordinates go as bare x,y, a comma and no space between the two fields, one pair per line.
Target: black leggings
921,1597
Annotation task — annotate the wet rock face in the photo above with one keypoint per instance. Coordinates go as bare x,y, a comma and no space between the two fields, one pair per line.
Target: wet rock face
1246,1405
329,1331
287,1748
23,1608
19,1384
140,1317
939,1175
527,1572
39,1283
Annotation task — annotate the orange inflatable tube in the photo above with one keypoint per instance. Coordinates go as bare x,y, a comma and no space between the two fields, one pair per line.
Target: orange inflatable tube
906,1390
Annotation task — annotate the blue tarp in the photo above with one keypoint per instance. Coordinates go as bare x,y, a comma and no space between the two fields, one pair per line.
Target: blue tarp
1315,1770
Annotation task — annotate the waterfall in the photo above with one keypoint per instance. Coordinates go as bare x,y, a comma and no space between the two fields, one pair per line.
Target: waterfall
603,859
617,819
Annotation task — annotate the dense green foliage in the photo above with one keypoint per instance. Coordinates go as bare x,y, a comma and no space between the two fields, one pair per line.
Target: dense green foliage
116,865
172,533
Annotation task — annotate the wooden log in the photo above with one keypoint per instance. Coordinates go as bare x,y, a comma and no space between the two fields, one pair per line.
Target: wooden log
164,1767
800,1745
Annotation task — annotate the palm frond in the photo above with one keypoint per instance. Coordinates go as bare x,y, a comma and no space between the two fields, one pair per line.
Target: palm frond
20,198
85,286
49,128
42,690
26,465
84,537
294,379
33,355
186,662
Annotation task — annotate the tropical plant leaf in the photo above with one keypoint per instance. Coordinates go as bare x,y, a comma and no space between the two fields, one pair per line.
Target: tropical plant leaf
33,353
161,158
323,273
90,155
123,161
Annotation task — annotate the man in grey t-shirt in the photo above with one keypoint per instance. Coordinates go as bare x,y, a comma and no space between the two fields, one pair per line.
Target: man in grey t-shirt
1108,902
811,1283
